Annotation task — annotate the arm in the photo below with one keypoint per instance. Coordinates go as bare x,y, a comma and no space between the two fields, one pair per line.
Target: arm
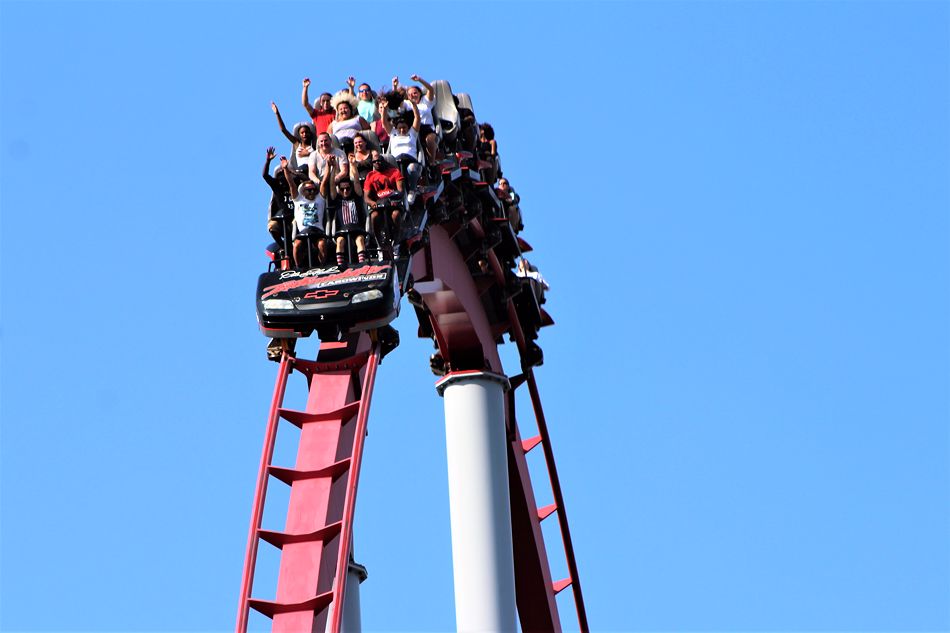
369,202
328,176
342,168
285,166
494,147
280,122
395,83
350,82
384,115
430,93
305,99
355,178
312,163
416,121
364,124
271,152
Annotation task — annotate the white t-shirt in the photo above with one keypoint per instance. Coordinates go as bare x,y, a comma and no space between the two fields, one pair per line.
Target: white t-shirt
425,110
309,213
408,144
319,163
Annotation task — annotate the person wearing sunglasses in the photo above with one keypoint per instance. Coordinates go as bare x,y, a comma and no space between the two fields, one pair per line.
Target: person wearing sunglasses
367,100
349,215
310,207
383,181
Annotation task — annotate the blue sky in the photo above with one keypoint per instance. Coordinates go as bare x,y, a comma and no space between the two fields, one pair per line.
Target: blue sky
742,209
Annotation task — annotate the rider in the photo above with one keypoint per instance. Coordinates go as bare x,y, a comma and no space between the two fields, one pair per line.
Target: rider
404,144
384,180
309,212
321,112
281,202
349,213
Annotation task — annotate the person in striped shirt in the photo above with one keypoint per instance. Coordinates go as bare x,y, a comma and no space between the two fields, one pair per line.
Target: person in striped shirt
349,212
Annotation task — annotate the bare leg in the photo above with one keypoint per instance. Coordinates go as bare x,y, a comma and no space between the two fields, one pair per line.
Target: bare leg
300,253
431,148
322,251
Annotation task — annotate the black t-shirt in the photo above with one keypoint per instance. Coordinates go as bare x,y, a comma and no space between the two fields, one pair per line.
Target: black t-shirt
281,200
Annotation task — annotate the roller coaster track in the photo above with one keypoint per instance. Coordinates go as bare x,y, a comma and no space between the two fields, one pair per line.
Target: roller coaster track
466,313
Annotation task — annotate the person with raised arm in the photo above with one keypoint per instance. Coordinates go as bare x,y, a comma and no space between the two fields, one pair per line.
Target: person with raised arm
321,112
302,140
404,144
367,102
281,203
349,213
310,208
424,105
348,122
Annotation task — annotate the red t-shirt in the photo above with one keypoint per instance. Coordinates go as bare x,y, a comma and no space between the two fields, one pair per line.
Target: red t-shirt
379,183
322,119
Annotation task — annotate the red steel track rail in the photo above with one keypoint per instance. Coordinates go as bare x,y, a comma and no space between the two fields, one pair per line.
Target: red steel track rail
317,540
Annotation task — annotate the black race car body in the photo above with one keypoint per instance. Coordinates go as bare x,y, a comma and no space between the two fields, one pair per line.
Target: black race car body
293,303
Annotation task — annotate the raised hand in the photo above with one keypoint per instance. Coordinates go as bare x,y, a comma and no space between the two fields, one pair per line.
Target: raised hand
271,152
395,82
273,107
351,81
414,77
283,162
306,82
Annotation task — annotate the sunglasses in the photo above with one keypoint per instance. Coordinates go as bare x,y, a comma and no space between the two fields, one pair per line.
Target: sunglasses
364,89
343,187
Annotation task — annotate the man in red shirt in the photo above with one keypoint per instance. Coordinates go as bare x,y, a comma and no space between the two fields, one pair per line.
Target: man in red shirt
383,181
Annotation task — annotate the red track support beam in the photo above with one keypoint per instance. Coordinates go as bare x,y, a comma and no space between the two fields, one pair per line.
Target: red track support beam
574,579
260,492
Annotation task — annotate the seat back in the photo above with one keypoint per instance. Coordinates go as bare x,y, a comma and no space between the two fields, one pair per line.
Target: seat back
465,102
468,132
371,139
445,115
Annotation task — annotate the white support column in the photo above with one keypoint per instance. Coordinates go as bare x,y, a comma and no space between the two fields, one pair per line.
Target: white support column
476,445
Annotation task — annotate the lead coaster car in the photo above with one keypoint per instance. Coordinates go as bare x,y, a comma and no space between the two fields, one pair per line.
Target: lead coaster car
330,300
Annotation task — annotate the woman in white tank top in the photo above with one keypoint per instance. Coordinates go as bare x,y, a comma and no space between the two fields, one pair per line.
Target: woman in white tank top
347,122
